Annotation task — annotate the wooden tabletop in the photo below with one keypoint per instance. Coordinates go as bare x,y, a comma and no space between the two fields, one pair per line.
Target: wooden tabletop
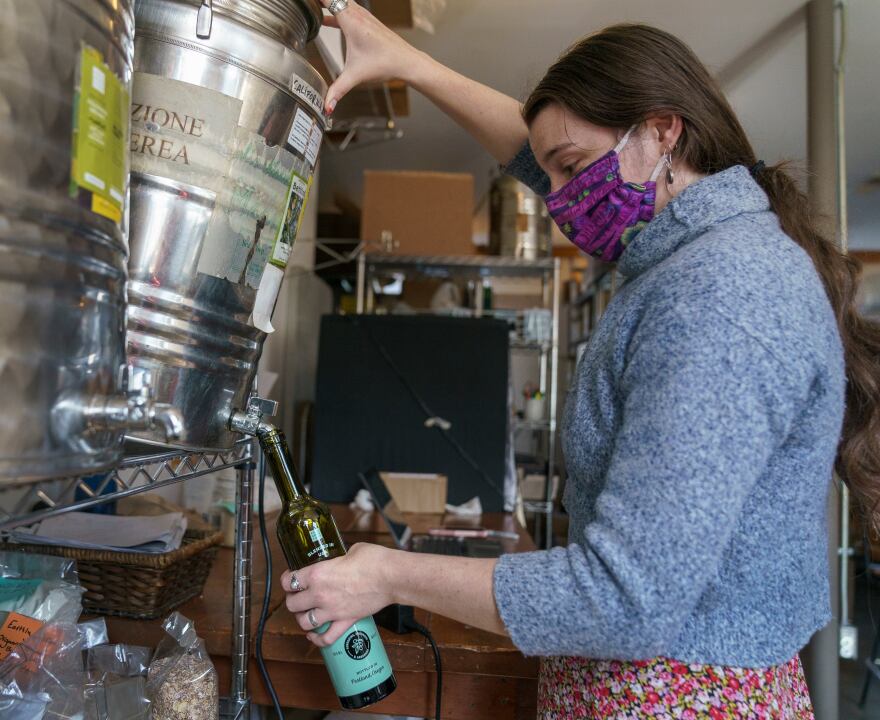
484,675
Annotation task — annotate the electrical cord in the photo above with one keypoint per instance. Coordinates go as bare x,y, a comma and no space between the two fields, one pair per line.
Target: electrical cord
421,629
267,594
430,416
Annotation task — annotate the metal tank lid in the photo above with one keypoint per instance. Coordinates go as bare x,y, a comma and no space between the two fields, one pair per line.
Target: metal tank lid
285,19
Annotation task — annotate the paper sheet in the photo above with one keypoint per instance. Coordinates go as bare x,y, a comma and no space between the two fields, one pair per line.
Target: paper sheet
152,534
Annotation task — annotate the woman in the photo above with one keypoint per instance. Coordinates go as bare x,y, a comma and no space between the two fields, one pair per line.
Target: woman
706,416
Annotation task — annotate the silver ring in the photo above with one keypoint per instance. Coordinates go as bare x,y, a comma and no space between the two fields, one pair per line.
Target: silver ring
311,616
337,6
294,583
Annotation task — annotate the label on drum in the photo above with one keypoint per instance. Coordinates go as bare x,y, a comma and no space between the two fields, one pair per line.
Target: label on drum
99,164
296,205
182,131
308,95
301,130
249,210
314,144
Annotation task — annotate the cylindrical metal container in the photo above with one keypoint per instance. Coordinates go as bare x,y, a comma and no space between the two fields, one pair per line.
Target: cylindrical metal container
520,223
65,79
227,121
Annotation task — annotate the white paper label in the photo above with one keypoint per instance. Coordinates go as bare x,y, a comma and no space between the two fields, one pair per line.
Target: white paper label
264,303
308,94
314,145
301,130
182,131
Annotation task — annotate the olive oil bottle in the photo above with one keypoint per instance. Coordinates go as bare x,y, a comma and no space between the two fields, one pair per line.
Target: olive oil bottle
357,662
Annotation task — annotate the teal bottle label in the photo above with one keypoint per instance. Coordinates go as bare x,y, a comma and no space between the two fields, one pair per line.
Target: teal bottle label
357,661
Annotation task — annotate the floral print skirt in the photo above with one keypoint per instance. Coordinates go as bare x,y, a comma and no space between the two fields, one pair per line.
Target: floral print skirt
662,688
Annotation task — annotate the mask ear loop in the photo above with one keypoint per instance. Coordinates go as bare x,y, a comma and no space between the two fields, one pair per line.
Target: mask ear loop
623,140
663,162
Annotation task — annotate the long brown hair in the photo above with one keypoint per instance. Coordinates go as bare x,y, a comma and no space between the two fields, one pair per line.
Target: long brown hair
624,74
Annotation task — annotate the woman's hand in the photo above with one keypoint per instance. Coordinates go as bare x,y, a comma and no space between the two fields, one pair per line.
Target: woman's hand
340,591
376,54
373,52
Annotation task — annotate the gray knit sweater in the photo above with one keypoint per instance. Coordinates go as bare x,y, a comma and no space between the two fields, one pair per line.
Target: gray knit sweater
699,434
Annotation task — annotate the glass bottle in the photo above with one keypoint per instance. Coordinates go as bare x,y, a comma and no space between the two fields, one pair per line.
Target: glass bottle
357,662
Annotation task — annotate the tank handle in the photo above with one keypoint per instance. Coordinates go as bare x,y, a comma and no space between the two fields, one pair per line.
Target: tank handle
205,19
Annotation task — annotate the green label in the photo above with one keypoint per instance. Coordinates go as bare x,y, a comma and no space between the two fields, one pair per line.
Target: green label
100,131
357,662
297,196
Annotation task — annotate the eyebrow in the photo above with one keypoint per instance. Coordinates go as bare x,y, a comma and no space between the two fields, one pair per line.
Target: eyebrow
562,146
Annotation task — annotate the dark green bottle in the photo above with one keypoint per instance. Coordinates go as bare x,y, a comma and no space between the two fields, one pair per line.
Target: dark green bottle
357,662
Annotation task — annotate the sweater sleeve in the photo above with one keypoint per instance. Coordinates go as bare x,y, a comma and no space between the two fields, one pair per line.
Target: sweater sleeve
525,168
704,406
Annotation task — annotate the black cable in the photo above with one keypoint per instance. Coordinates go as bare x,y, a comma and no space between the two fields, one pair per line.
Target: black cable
419,628
267,594
429,414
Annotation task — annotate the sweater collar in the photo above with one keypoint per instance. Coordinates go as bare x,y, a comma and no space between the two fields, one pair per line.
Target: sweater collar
691,213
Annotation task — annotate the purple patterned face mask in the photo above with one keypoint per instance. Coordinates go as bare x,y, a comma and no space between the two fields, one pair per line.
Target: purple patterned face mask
598,211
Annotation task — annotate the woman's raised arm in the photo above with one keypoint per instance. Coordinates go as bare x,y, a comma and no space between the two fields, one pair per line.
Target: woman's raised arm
375,53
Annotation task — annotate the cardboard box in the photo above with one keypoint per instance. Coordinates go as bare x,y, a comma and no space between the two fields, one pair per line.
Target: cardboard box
417,492
534,487
427,213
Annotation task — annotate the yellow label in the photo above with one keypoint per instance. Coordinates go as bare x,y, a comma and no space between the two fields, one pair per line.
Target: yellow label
106,208
99,162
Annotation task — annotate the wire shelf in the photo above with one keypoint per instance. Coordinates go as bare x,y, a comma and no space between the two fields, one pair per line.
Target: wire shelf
133,475
463,265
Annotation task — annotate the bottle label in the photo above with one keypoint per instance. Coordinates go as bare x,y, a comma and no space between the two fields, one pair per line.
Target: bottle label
357,661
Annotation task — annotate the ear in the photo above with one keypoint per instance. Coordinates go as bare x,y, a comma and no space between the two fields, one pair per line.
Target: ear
665,130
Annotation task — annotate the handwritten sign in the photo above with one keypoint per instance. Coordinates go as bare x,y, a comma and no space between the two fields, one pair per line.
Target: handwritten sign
15,630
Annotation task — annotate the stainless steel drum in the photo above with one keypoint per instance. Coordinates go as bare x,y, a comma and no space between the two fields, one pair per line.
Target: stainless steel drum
226,125
520,223
65,75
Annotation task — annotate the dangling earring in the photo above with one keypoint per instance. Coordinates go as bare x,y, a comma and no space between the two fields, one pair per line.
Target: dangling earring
667,159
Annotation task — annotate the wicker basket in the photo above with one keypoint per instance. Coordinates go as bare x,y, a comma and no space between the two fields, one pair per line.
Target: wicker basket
139,585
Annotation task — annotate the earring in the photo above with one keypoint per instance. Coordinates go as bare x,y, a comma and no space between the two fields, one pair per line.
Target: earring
667,160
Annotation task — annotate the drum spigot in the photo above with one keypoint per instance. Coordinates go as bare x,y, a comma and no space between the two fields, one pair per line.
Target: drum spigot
250,421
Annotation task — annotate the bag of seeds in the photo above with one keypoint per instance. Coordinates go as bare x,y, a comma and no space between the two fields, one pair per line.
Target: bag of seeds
182,681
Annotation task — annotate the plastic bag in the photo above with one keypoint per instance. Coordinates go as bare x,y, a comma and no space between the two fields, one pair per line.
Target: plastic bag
116,685
35,590
47,666
15,704
41,668
182,681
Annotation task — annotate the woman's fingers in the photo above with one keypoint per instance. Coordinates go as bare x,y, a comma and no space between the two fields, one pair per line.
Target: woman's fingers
294,581
351,8
301,601
338,90
331,21
334,632
304,619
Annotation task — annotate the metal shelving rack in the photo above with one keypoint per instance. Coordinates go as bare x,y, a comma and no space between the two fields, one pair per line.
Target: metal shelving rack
476,268
586,308
142,473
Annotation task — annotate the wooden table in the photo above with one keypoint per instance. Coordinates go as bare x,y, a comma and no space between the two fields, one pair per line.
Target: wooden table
484,675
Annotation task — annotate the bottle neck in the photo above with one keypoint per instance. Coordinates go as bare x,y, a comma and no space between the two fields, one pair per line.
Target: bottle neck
280,462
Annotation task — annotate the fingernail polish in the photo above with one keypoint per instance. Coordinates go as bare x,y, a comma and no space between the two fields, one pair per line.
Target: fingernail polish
331,106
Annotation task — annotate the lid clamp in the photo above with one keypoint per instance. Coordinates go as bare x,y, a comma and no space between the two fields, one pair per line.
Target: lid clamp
205,19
